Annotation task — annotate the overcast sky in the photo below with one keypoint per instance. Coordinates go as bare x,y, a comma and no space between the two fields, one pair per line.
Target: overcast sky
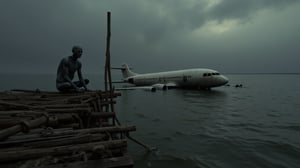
152,35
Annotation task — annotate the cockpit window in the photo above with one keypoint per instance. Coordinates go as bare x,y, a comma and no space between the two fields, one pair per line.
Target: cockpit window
207,74
211,74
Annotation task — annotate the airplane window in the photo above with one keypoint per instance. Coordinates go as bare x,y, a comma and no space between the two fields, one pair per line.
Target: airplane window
217,73
213,73
205,74
209,74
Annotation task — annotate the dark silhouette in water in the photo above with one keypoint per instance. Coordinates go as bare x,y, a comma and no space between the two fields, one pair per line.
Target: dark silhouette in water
238,85
66,71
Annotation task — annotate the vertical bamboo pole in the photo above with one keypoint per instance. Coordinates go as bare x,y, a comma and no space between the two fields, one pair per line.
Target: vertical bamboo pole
108,77
107,65
107,58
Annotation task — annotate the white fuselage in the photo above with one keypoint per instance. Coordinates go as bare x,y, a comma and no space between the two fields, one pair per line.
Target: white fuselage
189,78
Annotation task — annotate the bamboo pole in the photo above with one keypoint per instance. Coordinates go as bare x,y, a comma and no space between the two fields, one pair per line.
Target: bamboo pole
108,59
60,150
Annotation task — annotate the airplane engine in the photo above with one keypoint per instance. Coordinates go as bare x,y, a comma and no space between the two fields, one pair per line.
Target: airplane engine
130,80
160,86
152,89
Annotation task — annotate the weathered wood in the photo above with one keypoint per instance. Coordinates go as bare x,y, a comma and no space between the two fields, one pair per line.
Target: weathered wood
66,132
25,126
124,161
62,110
103,114
20,112
53,120
75,139
30,139
14,105
61,150
4,123
69,110
96,130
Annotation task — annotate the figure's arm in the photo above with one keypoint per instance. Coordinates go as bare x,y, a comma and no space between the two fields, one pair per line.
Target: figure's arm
67,78
81,78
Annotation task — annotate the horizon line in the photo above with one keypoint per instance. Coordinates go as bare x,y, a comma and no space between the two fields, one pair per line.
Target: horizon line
97,73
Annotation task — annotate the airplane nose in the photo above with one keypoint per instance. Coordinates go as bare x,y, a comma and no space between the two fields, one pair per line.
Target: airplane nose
223,80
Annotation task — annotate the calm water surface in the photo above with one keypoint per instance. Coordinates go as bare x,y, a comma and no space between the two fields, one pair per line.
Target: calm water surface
257,125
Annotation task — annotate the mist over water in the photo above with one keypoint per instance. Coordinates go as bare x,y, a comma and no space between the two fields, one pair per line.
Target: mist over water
257,125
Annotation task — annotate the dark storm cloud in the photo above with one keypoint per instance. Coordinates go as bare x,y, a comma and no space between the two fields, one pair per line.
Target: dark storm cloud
243,9
162,17
36,34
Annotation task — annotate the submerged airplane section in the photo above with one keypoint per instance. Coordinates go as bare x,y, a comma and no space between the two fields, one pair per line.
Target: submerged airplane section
198,78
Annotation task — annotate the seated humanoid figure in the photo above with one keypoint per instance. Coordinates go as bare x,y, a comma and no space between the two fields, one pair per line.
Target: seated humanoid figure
66,71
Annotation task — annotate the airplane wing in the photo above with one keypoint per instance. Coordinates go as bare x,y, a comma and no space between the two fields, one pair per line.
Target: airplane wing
165,86
171,85
120,81
147,88
152,88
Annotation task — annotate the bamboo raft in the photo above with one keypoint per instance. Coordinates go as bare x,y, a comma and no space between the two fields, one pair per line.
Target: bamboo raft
40,129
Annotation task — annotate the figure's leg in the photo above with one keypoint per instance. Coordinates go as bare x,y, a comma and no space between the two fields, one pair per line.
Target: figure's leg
80,84
64,87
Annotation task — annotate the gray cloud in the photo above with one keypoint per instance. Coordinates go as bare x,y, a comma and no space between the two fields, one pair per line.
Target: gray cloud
154,34
243,9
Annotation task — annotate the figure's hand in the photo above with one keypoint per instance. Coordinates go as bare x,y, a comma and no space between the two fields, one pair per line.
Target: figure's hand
78,90
88,90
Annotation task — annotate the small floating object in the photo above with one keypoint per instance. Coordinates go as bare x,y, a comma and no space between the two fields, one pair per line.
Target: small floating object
238,85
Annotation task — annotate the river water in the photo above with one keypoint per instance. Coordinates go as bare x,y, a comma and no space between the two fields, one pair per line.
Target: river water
257,125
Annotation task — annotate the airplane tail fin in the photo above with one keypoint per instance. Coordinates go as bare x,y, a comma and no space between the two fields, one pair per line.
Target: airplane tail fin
126,72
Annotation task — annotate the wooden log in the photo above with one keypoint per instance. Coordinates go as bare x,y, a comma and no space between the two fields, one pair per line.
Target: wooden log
4,123
54,120
103,114
62,106
10,145
20,112
107,129
124,161
22,127
38,133
69,132
10,131
8,156
75,139
14,105
57,94
113,129
71,110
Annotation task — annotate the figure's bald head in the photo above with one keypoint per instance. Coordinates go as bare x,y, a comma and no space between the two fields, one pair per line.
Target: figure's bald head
77,51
